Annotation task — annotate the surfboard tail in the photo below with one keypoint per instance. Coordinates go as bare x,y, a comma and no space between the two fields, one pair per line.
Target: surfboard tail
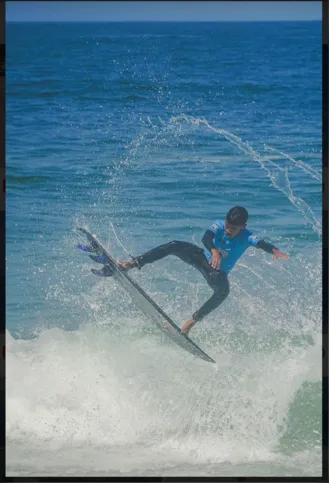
141,298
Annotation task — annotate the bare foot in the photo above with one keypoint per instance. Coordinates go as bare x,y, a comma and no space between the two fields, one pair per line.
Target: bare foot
127,265
187,326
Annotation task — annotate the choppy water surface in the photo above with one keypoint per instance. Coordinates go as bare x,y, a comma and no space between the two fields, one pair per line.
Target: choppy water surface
146,133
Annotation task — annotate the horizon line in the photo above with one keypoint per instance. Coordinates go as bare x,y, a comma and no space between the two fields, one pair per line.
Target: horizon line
162,21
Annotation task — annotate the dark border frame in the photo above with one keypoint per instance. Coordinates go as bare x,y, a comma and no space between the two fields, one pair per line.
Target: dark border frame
325,286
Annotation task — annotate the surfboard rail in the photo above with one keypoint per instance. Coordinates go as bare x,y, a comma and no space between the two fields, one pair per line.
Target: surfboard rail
145,303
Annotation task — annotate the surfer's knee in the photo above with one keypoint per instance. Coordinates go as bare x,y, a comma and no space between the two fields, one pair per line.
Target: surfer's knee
221,291
174,246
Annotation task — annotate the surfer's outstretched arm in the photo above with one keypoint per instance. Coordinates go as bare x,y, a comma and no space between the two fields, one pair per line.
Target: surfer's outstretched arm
269,248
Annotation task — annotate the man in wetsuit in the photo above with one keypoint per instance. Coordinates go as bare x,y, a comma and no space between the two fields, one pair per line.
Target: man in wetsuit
225,242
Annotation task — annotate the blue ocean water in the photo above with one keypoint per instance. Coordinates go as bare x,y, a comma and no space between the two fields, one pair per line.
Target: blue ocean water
144,133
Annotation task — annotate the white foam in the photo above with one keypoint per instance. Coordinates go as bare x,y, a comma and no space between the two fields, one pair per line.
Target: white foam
92,388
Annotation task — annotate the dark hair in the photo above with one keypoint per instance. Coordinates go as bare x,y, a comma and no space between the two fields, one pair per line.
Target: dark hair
237,216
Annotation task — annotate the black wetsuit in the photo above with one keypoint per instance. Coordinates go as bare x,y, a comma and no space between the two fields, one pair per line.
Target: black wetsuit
195,256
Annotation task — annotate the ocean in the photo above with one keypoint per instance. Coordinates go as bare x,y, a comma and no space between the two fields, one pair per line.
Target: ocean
145,133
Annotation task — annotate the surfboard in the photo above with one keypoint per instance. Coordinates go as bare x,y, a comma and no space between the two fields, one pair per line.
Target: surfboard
140,297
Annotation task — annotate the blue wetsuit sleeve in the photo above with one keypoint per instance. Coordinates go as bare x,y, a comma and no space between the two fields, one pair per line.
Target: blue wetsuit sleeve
256,241
217,228
267,247
253,240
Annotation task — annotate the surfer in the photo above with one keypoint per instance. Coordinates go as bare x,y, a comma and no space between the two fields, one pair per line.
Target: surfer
225,242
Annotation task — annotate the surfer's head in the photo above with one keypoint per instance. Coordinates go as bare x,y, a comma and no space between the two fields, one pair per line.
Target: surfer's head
236,220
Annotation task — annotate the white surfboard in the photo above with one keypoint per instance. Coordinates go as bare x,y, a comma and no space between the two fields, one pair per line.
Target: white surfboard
142,300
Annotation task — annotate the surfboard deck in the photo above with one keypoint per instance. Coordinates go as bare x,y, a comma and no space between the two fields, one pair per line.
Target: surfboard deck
141,298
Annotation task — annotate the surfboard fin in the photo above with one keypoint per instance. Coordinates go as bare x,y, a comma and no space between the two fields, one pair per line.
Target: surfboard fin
86,248
100,259
106,271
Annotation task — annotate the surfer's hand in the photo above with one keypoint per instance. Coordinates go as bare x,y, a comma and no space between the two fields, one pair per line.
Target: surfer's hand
215,259
278,254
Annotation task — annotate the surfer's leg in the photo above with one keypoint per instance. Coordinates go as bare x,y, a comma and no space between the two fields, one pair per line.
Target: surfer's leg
220,284
183,250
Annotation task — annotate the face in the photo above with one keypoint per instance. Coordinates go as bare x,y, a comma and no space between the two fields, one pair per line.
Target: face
233,230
